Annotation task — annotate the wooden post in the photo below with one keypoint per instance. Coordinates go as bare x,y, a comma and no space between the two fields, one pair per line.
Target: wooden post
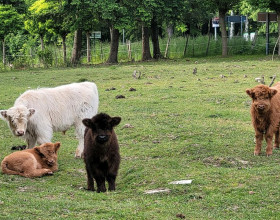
129,49
88,48
254,40
4,52
186,45
209,37
193,46
208,44
267,34
101,51
166,49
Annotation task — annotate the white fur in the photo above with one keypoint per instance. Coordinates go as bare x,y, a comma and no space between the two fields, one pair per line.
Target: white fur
36,114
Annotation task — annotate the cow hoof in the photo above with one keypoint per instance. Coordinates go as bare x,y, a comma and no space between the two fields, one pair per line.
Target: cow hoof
256,153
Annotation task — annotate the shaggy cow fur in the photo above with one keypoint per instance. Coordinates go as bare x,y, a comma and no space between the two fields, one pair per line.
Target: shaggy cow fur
265,114
36,162
36,114
101,152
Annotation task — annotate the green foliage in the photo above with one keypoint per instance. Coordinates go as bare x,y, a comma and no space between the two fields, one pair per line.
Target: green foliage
112,12
11,21
46,57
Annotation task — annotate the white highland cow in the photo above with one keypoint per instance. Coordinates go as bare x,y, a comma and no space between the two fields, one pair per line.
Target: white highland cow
36,114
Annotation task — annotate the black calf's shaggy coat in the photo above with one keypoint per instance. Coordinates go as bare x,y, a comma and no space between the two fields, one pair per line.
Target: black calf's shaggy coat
101,152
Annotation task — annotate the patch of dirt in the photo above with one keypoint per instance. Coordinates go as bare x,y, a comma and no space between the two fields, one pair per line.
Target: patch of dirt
226,162
182,216
120,97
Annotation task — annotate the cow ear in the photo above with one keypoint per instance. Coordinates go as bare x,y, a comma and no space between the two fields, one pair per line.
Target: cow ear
115,121
250,93
31,111
57,146
3,114
87,122
272,92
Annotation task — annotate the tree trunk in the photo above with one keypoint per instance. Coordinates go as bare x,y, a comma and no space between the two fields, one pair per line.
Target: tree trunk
114,46
4,52
88,48
222,15
146,53
42,42
64,49
155,41
77,47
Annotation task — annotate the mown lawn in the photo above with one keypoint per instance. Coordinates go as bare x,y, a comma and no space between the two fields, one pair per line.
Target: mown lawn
182,126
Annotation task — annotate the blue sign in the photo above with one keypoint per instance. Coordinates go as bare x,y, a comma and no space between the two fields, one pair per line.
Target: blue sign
236,18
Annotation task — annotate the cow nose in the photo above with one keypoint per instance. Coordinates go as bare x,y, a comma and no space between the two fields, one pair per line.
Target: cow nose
102,138
20,133
50,162
261,107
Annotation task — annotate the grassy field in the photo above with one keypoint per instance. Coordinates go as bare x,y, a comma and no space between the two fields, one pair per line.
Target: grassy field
183,126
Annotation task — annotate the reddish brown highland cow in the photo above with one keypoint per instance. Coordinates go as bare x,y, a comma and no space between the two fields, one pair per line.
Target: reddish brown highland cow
265,114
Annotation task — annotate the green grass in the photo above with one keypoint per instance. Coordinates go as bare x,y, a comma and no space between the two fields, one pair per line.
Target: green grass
185,126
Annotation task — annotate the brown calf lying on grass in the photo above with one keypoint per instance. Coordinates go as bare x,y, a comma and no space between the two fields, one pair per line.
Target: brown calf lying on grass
35,162
101,152
265,114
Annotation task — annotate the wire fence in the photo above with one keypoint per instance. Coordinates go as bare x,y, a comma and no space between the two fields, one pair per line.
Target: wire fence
175,48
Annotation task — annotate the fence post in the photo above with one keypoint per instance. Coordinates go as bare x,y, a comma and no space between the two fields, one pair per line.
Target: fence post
193,46
166,49
129,49
101,51
186,45
254,40
207,49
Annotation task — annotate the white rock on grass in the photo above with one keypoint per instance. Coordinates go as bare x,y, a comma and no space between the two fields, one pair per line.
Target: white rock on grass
181,182
153,191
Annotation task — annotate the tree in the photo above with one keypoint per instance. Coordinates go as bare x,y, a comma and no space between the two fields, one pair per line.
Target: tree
150,15
143,15
11,21
115,15
223,6
172,11
38,21
18,5
83,19
61,22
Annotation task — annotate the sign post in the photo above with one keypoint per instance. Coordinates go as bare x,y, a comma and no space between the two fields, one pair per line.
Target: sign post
215,25
267,17
237,19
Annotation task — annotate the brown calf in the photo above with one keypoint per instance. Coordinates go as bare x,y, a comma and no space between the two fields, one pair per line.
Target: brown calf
101,152
265,115
35,162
